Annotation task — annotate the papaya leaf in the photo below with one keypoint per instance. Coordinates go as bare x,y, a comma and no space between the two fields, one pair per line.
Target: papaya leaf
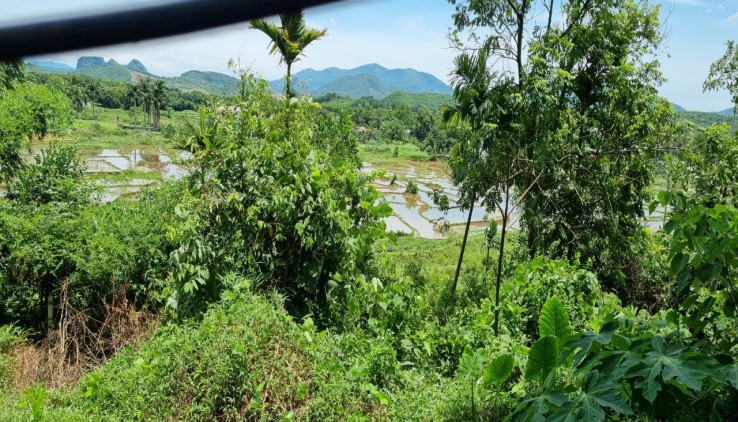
553,320
536,408
687,369
733,376
589,404
498,371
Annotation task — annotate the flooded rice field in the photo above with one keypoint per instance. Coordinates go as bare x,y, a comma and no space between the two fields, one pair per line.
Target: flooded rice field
417,214
414,214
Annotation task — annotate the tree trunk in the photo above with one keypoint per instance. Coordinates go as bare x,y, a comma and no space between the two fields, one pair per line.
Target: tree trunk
463,247
135,114
288,82
49,313
498,282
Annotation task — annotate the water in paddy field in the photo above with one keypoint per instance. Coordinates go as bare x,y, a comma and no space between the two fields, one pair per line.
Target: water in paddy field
139,158
416,213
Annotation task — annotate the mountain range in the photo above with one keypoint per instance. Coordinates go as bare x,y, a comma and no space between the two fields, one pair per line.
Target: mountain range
368,80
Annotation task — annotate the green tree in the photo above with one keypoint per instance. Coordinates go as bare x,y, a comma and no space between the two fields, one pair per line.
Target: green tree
133,93
724,74
713,165
27,111
11,73
289,40
93,91
78,96
588,118
145,88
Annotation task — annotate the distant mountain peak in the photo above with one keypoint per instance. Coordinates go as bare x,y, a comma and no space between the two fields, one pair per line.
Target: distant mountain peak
137,66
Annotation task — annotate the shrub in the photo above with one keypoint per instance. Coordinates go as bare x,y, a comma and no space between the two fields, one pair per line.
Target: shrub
276,192
56,176
524,294
412,187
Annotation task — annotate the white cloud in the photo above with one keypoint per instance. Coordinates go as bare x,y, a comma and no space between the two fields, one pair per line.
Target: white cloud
731,18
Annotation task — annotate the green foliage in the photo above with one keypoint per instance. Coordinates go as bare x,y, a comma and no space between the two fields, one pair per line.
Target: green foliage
644,374
703,256
498,371
207,82
98,249
554,320
289,40
723,73
411,188
55,176
543,358
11,73
533,283
576,115
27,111
714,166
33,401
276,192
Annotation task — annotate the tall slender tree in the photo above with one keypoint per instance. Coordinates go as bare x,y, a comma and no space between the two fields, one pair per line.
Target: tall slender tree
133,94
289,40
158,96
93,90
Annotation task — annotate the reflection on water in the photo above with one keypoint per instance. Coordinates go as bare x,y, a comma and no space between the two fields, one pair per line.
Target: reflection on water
136,158
417,213
140,158
394,224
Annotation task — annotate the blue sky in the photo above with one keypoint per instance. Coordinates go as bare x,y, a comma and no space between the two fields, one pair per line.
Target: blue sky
398,34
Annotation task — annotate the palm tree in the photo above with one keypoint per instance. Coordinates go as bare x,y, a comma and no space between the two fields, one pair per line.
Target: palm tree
145,87
93,91
158,95
471,82
78,96
133,93
289,40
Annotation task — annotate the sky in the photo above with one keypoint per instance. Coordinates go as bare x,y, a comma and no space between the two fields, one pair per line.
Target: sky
394,34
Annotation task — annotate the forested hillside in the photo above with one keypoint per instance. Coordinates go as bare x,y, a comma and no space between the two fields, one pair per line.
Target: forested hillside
550,241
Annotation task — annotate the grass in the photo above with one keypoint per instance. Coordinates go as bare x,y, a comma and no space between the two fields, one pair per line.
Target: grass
88,134
125,176
378,153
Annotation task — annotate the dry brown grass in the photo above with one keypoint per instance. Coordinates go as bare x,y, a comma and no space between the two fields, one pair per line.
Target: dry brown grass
80,343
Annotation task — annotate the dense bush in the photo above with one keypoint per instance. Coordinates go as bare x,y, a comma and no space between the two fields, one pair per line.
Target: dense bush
55,176
98,249
533,283
276,192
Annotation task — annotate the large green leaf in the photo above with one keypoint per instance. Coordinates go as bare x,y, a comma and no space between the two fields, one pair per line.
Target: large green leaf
470,365
553,320
536,408
542,358
581,344
687,368
733,376
498,371
596,394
